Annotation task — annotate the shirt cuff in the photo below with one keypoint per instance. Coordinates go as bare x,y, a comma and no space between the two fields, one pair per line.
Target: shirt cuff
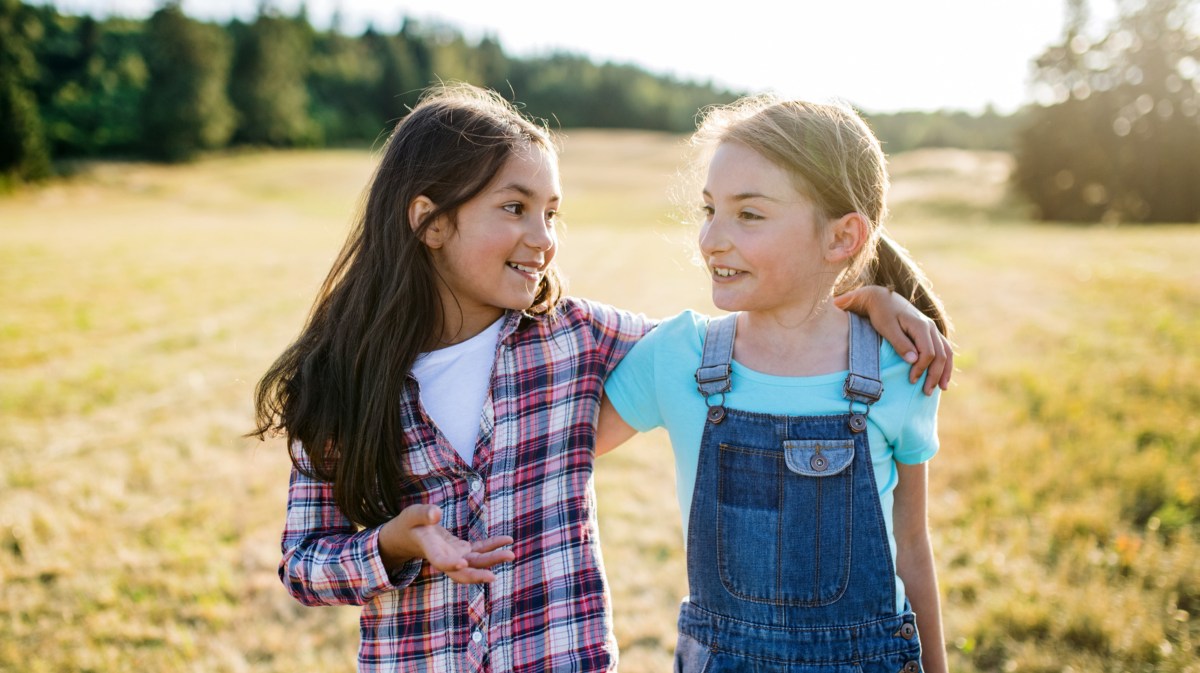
377,577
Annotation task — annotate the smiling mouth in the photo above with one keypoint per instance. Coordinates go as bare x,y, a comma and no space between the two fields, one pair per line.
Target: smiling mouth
532,270
722,272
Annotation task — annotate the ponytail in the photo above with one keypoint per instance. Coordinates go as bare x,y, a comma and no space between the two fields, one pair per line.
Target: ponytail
895,269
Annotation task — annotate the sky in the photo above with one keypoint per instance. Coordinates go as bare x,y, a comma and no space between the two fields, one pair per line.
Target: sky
878,55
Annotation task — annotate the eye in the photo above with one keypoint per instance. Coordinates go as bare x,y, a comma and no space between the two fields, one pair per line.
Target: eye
514,208
552,216
747,215
707,211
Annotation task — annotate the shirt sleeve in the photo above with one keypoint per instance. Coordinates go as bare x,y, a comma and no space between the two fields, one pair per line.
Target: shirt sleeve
615,331
918,438
632,387
327,560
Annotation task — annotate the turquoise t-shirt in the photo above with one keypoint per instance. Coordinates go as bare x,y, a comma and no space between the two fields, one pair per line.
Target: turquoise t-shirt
654,386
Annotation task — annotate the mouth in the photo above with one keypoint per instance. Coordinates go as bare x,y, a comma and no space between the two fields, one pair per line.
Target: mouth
725,272
530,270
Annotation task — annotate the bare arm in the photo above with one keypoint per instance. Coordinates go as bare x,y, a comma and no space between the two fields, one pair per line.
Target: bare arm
914,336
611,430
914,564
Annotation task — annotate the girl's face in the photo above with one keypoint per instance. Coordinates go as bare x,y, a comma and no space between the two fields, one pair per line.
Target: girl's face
502,245
761,239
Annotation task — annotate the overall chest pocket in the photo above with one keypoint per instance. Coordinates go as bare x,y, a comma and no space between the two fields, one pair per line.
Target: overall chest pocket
784,521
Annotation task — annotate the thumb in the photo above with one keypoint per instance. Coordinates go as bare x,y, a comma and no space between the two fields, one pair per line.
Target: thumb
431,515
853,301
422,515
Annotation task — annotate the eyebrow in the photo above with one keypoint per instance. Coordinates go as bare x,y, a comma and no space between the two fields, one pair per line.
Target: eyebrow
523,190
745,196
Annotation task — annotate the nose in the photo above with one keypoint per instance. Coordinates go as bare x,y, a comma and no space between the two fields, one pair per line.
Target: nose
712,237
542,235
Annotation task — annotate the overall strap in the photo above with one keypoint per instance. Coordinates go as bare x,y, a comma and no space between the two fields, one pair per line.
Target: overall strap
714,376
863,383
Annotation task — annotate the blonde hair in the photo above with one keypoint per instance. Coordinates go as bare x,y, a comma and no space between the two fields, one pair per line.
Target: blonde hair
835,161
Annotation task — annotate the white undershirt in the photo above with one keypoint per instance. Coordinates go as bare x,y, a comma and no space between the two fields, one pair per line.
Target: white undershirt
454,385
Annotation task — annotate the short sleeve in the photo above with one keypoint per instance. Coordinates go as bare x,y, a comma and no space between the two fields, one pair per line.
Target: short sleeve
917,441
615,331
634,386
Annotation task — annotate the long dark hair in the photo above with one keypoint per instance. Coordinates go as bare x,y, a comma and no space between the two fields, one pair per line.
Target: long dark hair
337,389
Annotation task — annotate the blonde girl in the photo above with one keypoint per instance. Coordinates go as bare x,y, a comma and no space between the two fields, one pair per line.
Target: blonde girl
800,439
440,406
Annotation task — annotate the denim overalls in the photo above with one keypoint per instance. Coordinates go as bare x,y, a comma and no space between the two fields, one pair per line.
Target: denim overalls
789,566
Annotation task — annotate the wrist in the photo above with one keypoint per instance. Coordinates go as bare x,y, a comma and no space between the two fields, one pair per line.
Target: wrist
394,545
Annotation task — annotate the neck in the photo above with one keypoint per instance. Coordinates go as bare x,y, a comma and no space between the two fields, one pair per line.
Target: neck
459,324
800,342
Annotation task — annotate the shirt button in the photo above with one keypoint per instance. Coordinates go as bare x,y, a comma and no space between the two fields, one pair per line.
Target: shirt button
477,636
475,484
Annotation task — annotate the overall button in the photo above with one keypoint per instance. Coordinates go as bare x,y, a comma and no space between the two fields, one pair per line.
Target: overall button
818,463
911,667
858,423
716,414
907,631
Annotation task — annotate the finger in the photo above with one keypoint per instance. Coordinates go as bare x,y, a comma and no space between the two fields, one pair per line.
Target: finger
448,563
925,356
901,343
945,381
852,301
472,576
934,374
421,515
491,543
489,559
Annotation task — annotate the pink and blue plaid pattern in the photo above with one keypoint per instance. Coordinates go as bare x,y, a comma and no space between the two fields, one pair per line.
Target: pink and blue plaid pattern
531,478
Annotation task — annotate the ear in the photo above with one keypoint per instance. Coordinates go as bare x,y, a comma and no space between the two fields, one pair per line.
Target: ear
419,209
847,234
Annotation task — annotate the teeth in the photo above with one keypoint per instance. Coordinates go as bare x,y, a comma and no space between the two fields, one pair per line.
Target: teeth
725,273
522,267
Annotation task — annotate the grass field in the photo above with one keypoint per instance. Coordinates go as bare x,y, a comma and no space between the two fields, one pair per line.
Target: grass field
139,304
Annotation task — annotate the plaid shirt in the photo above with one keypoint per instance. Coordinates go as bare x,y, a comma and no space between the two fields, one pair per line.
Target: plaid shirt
531,478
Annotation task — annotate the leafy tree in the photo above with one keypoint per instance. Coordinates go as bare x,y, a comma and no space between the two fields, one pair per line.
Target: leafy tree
342,80
403,60
186,107
23,151
1118,138
268,81
91,86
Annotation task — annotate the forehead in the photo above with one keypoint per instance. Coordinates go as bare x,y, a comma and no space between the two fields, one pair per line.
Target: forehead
532,167
735,169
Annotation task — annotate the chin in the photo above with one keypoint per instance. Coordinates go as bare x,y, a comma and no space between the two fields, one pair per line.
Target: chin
726,303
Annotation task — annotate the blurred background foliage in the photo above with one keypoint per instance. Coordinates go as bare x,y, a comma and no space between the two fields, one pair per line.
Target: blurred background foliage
171,87
1117,137
1113,136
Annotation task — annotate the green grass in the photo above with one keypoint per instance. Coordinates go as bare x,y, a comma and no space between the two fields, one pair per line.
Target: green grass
139,530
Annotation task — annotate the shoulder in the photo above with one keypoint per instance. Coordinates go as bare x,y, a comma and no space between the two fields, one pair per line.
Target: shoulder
576,310
682,329
893,370
912,413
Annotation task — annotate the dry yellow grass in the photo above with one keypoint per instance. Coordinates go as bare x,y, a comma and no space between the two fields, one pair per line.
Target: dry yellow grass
138,530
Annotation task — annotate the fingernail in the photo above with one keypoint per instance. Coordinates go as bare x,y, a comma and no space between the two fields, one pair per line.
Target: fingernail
910,357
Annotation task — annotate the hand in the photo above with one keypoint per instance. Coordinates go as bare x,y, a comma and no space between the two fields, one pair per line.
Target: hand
914,336
417,533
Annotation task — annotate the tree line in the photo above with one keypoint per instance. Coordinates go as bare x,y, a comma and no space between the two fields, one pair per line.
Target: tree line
170,87
1114,136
